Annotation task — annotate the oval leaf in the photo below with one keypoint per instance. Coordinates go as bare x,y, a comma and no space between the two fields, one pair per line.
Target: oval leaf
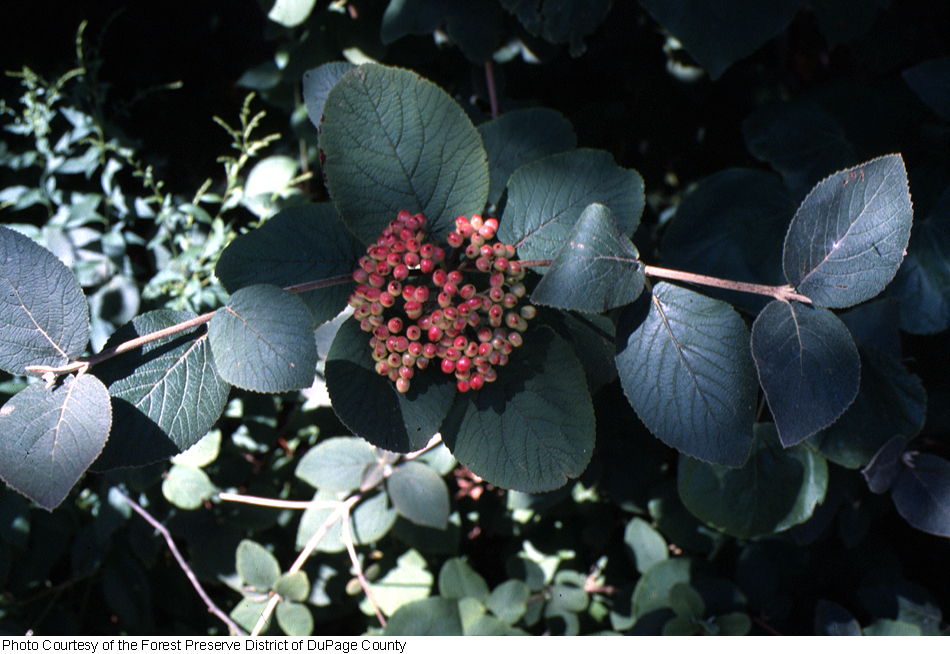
166,395
301,244
317,84
717,34
520,137
597,268
44,316
531,430
392,140
257,567
808,366
686,369
369,522
849,235
433,616
336,464
546,198
775,489
49,436
922,493
263,340
419,495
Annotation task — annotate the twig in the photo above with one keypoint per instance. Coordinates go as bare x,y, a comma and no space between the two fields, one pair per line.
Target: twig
492,92
783,293
348,541
160,528
342,512
82,364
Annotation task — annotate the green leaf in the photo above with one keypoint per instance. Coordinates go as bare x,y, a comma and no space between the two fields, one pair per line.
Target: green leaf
686,602
560,21
295,619
433,616
294,586
686,369
775,489
391,141
187,488
921,493
300,244
644,544
291,13
800,140
509,600
256,566
808,366
166,395
890,401
717,34
317,84
419,494
546,197
407,583
336,464
730,226
398,422
263,340
49,436
44,316
848,238
597,268
521,137
474,25
458,580
371,520
531,430
652,591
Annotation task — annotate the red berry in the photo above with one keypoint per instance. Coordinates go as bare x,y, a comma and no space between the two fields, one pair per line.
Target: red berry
439,277
412,259
454,240
435,334
403,215
483,264
455,277
394,325
413,309
464,386
421,294
477,381
426,266
448,366
386,299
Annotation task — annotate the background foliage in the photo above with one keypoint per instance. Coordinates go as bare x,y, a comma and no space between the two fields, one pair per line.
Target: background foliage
124,176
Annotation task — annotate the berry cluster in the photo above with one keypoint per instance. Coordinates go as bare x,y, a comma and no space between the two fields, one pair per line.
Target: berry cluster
422,302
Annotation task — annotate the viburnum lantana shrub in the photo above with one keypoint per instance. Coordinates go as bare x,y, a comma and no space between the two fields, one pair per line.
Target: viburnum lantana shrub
494,287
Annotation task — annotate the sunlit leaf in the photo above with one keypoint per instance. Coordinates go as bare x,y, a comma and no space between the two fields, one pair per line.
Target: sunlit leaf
850,234
49,436
546,197
44,317
597,268
263,340
391,141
